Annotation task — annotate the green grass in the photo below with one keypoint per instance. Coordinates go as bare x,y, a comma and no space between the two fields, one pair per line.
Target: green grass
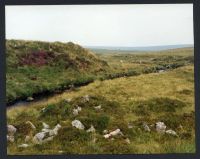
128,87
35,67
119,99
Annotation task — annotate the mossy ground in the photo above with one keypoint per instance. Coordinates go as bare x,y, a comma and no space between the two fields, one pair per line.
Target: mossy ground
122,101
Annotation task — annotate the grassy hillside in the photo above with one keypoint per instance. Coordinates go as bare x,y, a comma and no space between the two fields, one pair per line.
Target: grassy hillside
124,91
35,67
149,98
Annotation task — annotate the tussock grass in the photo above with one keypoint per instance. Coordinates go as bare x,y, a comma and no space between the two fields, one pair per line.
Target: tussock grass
119,99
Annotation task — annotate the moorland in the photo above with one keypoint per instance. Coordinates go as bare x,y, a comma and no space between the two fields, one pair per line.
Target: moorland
126,92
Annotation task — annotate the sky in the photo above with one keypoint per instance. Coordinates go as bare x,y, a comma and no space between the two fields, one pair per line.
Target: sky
103,25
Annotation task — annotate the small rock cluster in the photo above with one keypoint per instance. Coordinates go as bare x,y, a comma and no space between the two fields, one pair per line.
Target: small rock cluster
46,134
76,111
86,98
11,132
160,127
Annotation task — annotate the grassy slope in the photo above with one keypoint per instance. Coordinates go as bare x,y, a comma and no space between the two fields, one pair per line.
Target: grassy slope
40,67
35,67
165,97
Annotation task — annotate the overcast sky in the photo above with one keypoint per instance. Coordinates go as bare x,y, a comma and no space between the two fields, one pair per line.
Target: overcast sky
103,25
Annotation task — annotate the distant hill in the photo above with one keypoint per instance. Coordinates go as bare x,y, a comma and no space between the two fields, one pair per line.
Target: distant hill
136,49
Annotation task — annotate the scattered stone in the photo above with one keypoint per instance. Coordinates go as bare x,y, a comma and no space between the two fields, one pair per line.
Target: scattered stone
23,146
127,140
27,138
75,112
43,110
160,127
146,127
11,130
46,130
45,126
180,127
116,132
68,100
91,129
77,124
98,107
105,131
29,99
37,139
47,139
112,139
171,132
31,124
86,98
113,133
55,130
10,138
107,136
79,109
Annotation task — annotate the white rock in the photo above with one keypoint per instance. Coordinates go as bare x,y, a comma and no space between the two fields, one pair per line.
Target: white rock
113,133
10,138
31,124
171,132
43,109
86,98
75,112
55,130
27,138
98,107
47,139
11,130
46,130
146,127
29,99
45,126
116,132
79,109
112,139
127,140
91,129
77,124
68,100
23,146
160,127
105,131
107,136
37,139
